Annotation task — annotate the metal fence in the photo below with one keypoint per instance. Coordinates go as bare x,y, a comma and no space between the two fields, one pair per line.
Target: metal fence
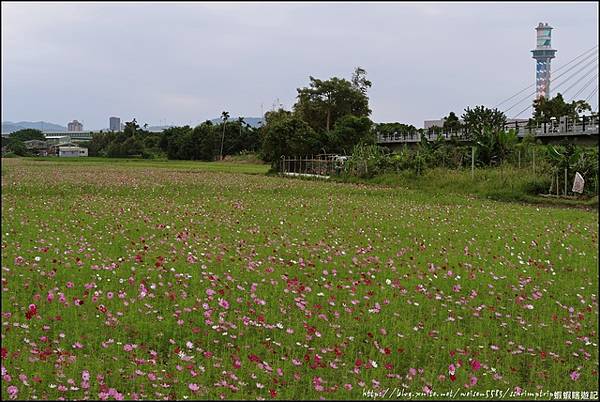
314,166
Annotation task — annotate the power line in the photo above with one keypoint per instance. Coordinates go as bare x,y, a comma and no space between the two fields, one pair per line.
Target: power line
587,58
592,94
557,70
588,73
594,68
587,84
557,77
577,72
521,112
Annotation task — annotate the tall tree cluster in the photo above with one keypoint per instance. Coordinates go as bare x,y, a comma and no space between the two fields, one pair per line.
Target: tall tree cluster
329,116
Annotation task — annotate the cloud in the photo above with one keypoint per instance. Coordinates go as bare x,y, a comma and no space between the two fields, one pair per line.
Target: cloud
189,61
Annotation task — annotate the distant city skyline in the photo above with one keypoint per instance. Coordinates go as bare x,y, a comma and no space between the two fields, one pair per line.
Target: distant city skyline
183,63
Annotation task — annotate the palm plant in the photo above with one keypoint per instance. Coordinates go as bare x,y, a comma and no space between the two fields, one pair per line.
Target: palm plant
225,117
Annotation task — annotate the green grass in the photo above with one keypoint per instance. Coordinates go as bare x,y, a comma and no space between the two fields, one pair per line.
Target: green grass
324,271
500,184
231,167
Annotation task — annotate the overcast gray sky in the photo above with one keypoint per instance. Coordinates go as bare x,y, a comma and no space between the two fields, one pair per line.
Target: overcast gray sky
186,62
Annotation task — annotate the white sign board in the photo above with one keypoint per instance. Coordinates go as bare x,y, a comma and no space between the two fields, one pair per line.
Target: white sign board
578,183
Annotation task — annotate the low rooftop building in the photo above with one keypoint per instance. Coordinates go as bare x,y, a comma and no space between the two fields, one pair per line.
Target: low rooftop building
72,151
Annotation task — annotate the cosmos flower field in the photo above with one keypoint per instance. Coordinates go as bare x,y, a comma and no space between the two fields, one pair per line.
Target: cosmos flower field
181,282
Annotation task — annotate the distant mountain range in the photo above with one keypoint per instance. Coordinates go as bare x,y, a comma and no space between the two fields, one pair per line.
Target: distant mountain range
9,126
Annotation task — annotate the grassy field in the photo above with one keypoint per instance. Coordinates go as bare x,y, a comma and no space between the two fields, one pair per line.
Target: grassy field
501,184
188,280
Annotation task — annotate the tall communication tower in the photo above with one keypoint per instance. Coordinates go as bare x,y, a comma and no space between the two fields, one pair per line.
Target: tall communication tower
543,54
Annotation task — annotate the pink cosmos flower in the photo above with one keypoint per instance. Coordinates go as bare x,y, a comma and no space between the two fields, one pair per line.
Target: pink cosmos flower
575,375
193,387
473,381
451,369
475,365
224,303
13,391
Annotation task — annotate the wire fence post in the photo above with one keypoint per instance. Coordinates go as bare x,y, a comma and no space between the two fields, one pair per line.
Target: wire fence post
565,182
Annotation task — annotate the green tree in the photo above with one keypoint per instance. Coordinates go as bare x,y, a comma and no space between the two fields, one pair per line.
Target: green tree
350,131
481,121
322,103
98,145
279,114
204,142
546,109
452,123
393,129
17,147
225,117
169,135
131,128
360,81
27,135
289,136
485,127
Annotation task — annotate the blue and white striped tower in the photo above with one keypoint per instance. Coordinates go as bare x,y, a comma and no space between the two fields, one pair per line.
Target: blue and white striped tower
543,54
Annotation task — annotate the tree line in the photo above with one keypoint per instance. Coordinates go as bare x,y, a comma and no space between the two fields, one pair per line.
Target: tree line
329,117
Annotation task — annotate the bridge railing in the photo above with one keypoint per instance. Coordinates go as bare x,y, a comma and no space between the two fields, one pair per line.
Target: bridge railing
586,125
563,126
416,136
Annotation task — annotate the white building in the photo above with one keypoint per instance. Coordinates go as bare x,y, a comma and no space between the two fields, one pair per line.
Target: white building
57,139
72,151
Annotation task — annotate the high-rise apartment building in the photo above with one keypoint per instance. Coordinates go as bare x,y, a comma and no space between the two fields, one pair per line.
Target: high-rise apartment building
74,126
114,124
